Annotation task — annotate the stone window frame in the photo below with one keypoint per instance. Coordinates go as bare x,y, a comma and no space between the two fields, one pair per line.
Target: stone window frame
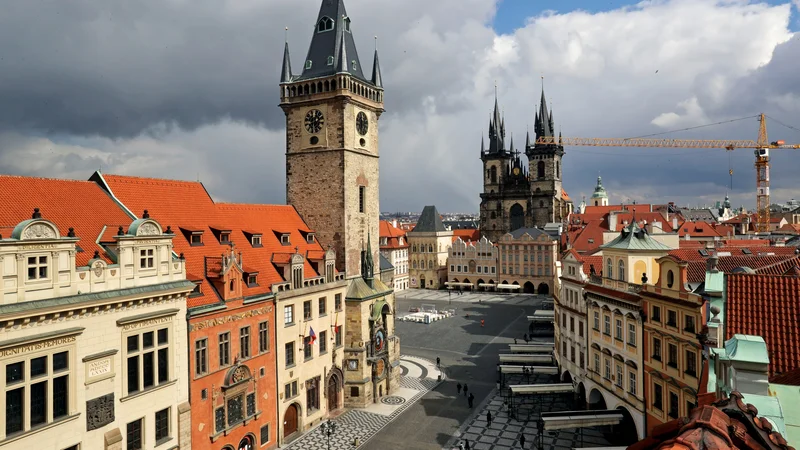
658,401
289,359
38,265
245,342
632,382
27,381
148,258
263,337
200,357
168,432
288,319
224,348
129,444
157,347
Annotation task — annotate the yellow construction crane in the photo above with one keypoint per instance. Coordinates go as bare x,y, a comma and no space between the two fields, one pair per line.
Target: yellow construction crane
761,149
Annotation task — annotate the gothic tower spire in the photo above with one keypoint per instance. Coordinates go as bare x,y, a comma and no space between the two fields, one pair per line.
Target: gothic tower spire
286,71
332,42
377,79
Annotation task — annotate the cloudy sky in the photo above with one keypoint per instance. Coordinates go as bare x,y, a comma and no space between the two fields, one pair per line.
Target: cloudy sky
187,89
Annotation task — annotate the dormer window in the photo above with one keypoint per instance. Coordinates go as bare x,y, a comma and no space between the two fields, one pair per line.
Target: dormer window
347,24
325,24
285,239
330,60
37,268
308,64
256,240
354,65
252,280
197,239
146,258
310,238
224,238
400,240
196,291
384,241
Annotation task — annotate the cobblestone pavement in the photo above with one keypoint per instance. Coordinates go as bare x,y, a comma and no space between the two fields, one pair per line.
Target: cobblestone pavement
418,377
504,432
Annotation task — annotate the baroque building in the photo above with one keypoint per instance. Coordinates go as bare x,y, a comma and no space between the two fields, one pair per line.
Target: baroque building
332,110
430,242
515,196
93,351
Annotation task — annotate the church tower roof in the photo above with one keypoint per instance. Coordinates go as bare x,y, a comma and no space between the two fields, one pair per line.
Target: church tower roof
286,71
377,79
599,190
497,130
332,48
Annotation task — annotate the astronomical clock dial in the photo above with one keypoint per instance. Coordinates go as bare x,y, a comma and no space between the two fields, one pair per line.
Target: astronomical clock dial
380,366
362,123
314,121
380,340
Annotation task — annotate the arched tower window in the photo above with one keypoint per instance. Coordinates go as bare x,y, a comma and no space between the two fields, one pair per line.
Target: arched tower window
325,24
540,169
609,268
621,274
517,217
493,174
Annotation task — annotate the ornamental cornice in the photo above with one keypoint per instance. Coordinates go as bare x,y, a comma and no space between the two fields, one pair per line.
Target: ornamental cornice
208,323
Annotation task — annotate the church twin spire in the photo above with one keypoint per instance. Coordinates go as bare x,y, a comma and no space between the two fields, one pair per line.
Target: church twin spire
332,49
544,126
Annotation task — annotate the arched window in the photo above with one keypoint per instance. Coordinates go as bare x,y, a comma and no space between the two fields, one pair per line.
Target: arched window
325,24
493,215
670,278
430,248
415,264
609,267
540,169
517,214
621,274
493,174
430,264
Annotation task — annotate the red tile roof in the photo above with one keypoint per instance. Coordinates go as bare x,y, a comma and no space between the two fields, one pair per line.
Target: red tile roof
187,205
697,229
588,238
82,205
766,306
791,378
565,196
784,267
392,235
467,234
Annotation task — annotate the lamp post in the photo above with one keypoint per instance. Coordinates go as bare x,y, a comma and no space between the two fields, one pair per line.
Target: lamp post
328,428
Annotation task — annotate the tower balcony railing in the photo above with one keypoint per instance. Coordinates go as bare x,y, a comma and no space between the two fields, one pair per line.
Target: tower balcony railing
617,285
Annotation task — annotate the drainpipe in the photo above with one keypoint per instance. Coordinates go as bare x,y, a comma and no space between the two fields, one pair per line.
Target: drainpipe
279,428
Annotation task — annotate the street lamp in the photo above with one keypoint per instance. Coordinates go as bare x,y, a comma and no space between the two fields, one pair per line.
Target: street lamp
328,428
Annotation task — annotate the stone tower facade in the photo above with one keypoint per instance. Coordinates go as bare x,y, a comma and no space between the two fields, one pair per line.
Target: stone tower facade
332,111
515,195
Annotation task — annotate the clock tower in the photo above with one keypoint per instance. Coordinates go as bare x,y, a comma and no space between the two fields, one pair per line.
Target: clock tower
332,110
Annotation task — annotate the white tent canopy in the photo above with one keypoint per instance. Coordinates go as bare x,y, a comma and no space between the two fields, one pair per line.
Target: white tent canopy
535,370
531,348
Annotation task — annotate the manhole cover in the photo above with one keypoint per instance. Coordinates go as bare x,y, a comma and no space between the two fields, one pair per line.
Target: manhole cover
393,400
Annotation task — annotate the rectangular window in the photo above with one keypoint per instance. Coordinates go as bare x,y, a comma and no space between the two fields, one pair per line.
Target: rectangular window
224,349
323,306
581,360
256,241
244,342
632,382
672,318
673,405
252,280
44,371
607,325
657,349
564,319
691,363
288,314
572,324
619,379
200,357
307,350
564,348
479,269
146,258
263,337
580,328
224,238
618,329
608,368
597,321
338,336
289,354
658,397
656,314
672,356
572,354
307,310
290,390
452,268
337,302
689,326
162,425
147,359
597,363
312,394
133,435
362,198
323,342
37,267
493,269
264,435
196,239
632,334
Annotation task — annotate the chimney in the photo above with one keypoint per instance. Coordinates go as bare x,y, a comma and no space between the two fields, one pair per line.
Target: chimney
394,223
674,222
612,221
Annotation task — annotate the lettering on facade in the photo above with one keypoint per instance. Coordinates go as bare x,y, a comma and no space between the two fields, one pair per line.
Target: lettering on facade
37,346
232,318
40,247
148,242
98,368
146,323
99,412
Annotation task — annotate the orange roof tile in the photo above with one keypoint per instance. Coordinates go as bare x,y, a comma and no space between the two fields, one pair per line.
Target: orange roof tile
392,235
766,306
467,234
82,205
565,196
187,205
588,238
697,229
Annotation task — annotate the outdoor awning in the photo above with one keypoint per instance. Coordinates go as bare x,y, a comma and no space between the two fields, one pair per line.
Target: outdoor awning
580,419
484,285
532,389
545,370
508,286
452,283
526,359
531,348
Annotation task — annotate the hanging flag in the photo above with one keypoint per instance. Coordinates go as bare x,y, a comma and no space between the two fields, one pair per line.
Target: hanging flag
313,335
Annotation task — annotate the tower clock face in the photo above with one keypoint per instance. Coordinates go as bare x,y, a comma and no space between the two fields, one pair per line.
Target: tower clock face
380,340
314,121
362,123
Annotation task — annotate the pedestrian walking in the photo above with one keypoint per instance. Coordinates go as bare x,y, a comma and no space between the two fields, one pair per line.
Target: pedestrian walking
489,418
438,361
482,322
458,386
461,446
525,338
467,445
466,388
515,341
522,440
470,399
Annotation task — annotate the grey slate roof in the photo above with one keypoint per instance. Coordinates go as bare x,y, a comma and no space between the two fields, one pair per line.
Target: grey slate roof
385,264
533,232
634,237
286,71
337,43
377,79
429,221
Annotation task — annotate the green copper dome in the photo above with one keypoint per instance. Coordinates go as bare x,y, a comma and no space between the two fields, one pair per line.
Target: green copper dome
599,190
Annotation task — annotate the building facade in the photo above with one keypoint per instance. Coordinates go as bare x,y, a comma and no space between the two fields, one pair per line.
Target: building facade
93,354
472,265
528,259
430,242
515,196
674,376
394,247
332,179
